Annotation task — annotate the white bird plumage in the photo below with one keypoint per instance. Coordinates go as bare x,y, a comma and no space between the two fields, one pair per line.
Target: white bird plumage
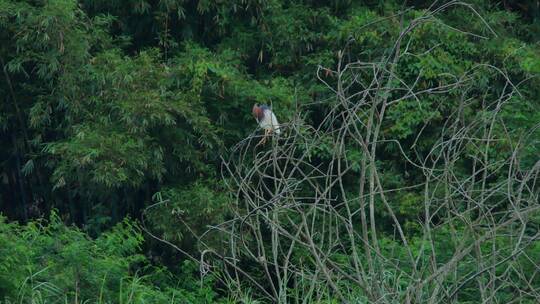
270,122
267,120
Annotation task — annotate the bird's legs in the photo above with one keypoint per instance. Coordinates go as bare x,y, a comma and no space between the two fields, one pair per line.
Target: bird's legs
263,140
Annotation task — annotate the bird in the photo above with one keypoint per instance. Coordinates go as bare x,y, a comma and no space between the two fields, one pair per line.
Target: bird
267,120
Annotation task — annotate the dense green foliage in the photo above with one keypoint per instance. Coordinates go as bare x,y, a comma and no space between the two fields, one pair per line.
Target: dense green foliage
111,106
48,262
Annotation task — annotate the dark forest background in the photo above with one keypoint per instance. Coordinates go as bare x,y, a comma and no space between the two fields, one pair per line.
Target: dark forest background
109,106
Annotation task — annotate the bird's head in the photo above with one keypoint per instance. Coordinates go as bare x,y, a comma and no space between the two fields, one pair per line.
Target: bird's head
257,111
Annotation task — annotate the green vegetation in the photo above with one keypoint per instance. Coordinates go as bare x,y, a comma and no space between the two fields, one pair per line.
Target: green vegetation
47,262
127,134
